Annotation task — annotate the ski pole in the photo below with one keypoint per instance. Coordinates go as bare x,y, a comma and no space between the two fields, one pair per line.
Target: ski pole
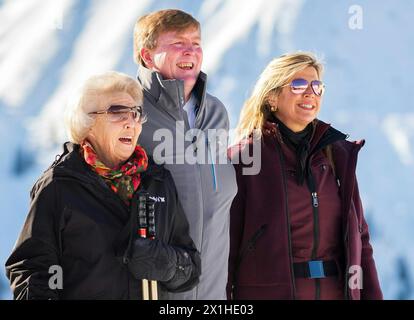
142,232
151,234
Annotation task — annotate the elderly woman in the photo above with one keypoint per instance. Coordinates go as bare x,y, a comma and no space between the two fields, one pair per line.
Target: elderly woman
82,219
297,227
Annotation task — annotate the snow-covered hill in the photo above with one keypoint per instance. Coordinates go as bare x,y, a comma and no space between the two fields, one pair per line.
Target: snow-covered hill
47,47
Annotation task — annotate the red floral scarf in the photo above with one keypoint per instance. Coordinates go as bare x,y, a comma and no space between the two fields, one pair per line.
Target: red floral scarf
123,180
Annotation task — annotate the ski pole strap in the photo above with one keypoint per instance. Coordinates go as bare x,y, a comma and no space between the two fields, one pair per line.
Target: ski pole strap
142,215
151,218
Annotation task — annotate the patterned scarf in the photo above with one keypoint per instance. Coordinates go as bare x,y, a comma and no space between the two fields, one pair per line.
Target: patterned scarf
124,180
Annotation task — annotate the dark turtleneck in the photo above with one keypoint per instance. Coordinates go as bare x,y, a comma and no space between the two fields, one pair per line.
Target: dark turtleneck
299,142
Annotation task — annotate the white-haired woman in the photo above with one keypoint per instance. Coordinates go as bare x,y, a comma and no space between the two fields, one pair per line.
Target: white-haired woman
82,224
297,227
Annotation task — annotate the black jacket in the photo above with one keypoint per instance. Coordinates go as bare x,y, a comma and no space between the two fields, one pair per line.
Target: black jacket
77,223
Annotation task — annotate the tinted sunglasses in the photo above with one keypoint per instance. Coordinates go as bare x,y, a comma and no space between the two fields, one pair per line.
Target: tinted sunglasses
299,86
119,113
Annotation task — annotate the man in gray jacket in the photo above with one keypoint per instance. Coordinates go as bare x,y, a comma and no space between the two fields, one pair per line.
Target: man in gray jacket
187,129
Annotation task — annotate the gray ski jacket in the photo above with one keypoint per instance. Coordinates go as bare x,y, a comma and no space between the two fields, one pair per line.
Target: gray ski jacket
197,159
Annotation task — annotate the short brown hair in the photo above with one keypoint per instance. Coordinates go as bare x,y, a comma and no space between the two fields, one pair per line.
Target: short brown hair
150,26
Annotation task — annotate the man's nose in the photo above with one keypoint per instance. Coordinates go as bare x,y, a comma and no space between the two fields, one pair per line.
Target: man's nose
189,48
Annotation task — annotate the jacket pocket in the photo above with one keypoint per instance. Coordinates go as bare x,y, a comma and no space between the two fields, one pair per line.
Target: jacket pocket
247,249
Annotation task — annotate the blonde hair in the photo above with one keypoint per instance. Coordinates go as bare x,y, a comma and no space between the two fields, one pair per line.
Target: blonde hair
276,75
87,99
150,26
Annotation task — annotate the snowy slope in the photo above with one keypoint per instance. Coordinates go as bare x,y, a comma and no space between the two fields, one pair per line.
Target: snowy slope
47,47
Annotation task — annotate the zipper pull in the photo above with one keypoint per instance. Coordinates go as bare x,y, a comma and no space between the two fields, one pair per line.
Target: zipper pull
213,168
315,201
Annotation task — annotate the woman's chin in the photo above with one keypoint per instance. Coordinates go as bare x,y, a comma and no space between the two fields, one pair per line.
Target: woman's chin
125,152
125,146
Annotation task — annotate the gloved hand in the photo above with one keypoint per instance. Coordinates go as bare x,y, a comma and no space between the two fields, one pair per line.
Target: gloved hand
152,260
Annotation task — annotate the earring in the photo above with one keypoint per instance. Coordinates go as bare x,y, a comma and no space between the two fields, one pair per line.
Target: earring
272,102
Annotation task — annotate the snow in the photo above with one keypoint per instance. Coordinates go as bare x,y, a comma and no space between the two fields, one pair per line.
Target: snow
48,47
220,33
106,40
27,31
399,129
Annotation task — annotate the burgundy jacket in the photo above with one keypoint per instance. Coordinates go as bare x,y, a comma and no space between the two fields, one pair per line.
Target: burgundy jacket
261,261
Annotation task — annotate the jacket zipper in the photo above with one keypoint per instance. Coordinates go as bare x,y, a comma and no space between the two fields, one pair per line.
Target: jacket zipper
315,209
315,205
346,238
347,261
282,162
213,168
346,293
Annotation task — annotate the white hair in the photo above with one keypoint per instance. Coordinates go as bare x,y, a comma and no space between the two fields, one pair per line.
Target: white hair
77,120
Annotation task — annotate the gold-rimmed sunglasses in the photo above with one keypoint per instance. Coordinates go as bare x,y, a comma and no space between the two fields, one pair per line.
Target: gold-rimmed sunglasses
120,113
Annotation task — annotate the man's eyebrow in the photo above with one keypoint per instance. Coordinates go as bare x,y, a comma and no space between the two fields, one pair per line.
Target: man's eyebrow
198,38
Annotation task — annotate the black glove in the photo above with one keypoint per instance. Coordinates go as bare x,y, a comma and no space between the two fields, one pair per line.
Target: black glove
155,260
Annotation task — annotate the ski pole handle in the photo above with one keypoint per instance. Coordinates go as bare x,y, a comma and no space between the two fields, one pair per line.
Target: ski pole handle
151,234
142,232
151,218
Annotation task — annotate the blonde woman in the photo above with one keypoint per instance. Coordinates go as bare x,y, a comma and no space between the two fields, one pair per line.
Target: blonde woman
297,227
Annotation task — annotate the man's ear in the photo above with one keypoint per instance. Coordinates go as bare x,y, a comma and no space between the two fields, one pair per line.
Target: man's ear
147,57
